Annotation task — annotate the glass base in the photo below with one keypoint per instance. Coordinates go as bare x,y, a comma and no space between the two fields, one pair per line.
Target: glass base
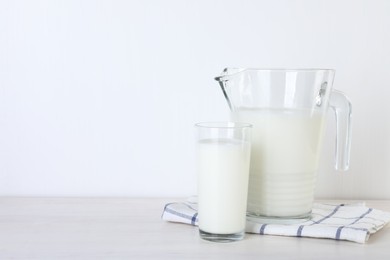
278,220
221,238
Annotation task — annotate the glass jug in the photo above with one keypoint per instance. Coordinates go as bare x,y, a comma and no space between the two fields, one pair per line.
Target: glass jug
287,108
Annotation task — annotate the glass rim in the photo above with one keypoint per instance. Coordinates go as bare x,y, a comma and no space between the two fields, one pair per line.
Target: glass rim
223,125
234,71
285,69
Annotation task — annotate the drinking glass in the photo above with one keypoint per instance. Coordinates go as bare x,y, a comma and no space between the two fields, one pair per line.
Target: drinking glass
223,158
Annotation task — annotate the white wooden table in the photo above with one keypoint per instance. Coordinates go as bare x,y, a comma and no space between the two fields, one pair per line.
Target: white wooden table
130,228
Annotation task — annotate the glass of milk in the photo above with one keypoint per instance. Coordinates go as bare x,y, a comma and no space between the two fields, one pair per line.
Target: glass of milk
223,159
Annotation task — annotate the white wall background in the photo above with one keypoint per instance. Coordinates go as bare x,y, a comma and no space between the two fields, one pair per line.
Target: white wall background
98,98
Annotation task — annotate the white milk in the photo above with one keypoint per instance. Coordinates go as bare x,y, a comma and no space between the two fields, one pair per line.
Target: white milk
222,185
284,160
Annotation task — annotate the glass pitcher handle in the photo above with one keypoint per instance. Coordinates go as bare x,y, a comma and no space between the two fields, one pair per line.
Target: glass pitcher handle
343,113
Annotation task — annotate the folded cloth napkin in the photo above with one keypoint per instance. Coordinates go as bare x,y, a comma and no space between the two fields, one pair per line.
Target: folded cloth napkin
352,222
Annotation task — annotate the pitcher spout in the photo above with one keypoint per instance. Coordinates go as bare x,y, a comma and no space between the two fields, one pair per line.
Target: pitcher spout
223,80
228,73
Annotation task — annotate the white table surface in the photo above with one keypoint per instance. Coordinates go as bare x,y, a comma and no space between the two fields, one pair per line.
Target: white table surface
131,228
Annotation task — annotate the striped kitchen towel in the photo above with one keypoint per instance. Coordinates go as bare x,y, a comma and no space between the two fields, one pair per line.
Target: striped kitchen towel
352,222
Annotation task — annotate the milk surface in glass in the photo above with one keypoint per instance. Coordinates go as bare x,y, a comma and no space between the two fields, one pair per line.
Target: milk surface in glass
284,160
223,171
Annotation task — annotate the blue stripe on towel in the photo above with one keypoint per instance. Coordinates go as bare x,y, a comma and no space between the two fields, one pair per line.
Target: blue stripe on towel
262,228
299,231
338,233
362,216
179,214
193,220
